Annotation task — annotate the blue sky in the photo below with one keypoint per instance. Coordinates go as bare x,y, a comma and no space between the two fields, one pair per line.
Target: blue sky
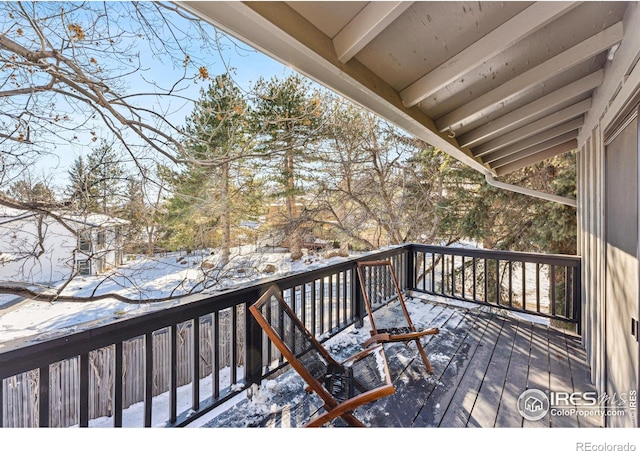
248,66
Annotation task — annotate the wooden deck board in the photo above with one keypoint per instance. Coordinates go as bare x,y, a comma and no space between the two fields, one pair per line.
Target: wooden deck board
485,409
516,378
559,369
469,333
403,406
581,377
538,375
482,362
442,352
459,409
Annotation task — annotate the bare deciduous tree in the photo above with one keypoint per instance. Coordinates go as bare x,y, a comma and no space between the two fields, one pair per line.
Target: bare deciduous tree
72,74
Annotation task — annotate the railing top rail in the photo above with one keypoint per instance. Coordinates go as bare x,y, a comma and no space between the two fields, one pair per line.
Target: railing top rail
529,257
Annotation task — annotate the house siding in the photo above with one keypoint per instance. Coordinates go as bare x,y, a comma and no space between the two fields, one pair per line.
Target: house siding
612,101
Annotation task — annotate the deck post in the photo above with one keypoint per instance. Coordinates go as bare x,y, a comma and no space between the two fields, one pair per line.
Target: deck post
254,343
410,268
358,298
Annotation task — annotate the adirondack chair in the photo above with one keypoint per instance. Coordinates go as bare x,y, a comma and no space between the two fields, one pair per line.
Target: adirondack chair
380,289
342,386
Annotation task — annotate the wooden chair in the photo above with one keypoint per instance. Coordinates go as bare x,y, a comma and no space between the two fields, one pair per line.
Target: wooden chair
342,386
379,288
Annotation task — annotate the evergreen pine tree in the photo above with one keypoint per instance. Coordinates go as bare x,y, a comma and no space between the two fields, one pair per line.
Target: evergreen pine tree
287,118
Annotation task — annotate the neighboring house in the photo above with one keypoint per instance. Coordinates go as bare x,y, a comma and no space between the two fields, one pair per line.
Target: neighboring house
36,248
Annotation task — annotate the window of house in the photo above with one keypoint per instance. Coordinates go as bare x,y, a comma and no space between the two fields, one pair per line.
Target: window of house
101,238
84,267
84,241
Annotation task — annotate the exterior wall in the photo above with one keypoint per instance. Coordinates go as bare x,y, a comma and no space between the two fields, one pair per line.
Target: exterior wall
20,242
59,252
611,101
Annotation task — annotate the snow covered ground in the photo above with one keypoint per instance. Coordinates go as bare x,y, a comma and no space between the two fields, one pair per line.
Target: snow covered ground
145,279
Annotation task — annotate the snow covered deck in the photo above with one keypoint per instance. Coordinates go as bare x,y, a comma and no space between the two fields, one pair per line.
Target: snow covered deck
482,359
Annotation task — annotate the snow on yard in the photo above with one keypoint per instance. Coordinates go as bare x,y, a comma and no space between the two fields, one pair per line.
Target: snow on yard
144,279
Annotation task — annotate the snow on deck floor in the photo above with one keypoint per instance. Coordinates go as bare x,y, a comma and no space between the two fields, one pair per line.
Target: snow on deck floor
483,360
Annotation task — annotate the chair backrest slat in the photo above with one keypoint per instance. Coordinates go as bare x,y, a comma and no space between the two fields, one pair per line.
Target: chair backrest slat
380,288
301,349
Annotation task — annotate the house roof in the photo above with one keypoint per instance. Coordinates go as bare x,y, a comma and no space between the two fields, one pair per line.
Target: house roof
8,215
94,219
498,85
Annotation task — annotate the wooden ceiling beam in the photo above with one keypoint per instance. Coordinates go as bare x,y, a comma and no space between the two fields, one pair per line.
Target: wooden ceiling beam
363,28
534,128
531,111
506,35
516,87
536,157
533,140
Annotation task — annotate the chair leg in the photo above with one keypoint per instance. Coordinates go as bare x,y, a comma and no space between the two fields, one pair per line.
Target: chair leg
423,354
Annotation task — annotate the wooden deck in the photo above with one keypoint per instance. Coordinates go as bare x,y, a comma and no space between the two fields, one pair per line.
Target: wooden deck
482,362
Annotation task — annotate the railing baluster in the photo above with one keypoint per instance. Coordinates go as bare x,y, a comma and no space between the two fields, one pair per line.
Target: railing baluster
486,281
195,362
538,287
330,293
148,378
475,279
234,344
498,283
338,300
552,283
84,390
576,299
510,283
433,272
314,329
173,376
215,343
281,320
322,306
357,307
453,275
43,397
118,386
463,274
442,274
524,286
303,307
345,293
567,292
424,270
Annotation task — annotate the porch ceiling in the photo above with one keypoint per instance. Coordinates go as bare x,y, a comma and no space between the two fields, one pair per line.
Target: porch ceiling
498,85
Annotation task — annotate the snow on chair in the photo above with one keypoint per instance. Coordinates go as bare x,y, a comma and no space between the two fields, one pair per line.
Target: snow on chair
342,386
379,288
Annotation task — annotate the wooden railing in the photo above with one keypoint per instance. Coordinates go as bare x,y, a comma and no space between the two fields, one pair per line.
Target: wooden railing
540,284
169,367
